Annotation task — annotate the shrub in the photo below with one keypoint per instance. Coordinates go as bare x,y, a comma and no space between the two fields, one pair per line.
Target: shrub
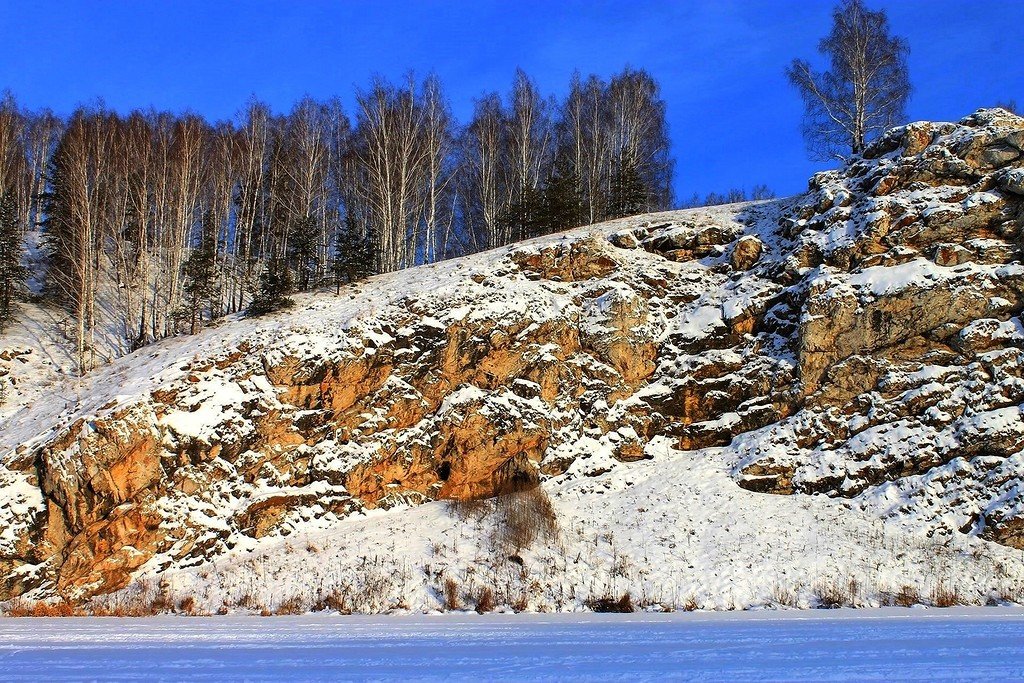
338,601
485,600
907,596
187,605
783,596
521,603
523,517
946,596
470,508
292,605
20,607
622,604
832,595
451,594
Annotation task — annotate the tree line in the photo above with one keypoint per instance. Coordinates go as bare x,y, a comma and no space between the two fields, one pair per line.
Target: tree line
737,194
172,221
157,223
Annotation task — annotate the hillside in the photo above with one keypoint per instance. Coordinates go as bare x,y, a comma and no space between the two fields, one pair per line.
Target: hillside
802,402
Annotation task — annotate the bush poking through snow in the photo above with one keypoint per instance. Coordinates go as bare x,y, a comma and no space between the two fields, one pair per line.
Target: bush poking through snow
470,509
834,594
451,595
187,606
20,607
485,600
522,517
783,596
292,605
907,596
944,595
621,604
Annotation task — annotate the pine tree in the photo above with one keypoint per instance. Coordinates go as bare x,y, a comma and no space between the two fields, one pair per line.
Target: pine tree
12,273
275,286
562,207
628,194
353,256
521,219
302,251
201,272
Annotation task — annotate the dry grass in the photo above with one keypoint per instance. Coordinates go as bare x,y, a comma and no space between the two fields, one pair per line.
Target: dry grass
907,596
292,605
946,596
784,597
146,599
521,603
20,607
834,594
473,509
451,595
606,603
522,518
337,601
485,600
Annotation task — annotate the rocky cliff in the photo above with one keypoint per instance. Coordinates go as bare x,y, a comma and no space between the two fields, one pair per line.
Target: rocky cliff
857,349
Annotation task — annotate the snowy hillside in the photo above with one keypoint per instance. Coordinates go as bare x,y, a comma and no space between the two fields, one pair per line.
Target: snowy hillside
799,402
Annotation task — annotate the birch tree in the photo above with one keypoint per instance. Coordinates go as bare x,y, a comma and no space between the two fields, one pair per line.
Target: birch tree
865,90
530,142
640,169
75,207
438,213
391,163
484,178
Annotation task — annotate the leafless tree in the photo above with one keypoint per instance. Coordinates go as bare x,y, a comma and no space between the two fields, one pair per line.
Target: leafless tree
223,178
79,200
251,150
156,221
529,154
42,131
613,139
865,90
484,182
638,140
437,140
585,132
13,160
391,167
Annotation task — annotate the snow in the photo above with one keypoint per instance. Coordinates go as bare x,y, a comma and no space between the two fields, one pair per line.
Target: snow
911,645
672,530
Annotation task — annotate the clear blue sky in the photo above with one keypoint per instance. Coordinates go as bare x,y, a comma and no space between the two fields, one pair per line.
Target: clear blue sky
734,119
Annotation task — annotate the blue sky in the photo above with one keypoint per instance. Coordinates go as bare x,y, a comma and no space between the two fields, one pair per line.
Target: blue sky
734,120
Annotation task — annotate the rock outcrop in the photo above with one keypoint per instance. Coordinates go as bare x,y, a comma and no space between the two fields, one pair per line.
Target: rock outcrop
862,340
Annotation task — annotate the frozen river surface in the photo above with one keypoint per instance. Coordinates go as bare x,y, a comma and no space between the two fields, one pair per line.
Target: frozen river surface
901,644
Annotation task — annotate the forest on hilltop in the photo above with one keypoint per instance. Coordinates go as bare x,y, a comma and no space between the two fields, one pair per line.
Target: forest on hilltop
166,221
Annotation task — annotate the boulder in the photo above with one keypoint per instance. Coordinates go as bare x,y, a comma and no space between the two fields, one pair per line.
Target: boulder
745,253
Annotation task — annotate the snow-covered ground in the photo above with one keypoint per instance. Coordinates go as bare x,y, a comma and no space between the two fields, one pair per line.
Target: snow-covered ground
984,644
676,531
